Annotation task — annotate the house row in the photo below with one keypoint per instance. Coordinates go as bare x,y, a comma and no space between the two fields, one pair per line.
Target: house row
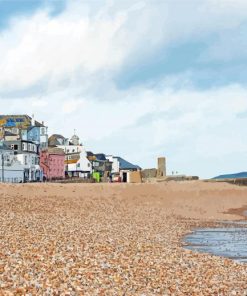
27,154
80,163
22,138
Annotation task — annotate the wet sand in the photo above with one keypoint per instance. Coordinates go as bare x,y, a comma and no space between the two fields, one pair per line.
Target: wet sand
115,239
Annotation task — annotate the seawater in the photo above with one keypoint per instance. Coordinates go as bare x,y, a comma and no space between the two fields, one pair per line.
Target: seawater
230,242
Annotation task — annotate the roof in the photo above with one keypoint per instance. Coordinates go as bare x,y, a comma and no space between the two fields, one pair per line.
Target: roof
90,153
125,165
100,156
7,133
56,139
90,156
21,121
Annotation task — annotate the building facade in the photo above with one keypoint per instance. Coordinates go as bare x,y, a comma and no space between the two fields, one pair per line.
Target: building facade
23,127
122,169
76,162
27,153
11,170
101,165
52,162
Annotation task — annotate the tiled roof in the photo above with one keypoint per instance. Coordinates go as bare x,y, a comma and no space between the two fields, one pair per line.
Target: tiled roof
23,121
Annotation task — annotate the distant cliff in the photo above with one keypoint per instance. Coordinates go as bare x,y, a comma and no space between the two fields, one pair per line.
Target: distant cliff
241,175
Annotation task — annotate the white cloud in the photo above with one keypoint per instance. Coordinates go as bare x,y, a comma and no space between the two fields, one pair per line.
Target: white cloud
39,103
88,38
56,49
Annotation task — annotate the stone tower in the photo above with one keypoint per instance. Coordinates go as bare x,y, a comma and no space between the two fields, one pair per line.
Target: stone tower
161,167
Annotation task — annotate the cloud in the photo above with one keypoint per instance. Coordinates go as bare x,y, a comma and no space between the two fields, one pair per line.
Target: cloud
188,126
88,40
55,49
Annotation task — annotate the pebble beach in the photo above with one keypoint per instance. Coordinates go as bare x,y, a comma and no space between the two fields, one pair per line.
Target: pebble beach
115,239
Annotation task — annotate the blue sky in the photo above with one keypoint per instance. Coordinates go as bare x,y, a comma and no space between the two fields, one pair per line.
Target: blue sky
138,79
12,8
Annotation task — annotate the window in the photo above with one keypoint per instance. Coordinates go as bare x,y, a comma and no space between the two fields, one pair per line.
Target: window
24,146
16,147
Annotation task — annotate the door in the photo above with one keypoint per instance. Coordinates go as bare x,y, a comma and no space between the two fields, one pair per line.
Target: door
125,177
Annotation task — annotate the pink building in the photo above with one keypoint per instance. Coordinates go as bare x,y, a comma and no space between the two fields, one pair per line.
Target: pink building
52,163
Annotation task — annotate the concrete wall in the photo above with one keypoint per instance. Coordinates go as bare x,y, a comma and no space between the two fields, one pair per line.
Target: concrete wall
12,174
132,176
135,177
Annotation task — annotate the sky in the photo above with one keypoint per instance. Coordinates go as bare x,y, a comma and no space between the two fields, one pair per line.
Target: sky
137,79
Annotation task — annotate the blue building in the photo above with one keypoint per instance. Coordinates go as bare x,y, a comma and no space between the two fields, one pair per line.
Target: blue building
25,128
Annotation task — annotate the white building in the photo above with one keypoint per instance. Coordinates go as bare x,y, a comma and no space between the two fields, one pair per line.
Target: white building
121,168
115,163
11,170
26,152
76,161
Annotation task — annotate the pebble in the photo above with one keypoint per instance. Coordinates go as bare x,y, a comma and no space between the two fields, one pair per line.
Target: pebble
107,242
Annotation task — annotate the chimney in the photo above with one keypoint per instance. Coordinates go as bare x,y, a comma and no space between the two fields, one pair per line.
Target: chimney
43,123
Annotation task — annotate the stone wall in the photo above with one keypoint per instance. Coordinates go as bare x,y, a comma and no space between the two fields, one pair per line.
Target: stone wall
149,173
